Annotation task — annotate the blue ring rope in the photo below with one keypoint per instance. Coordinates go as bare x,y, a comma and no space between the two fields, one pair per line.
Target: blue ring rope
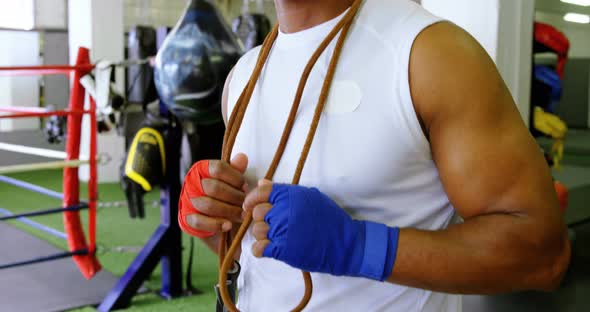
31,187
44,259
36,225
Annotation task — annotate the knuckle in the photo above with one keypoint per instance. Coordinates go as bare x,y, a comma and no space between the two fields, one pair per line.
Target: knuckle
208,205
206,185
267,187
217,187
211,187
258,229
254,197
203,205
200,223
248,202
215,168
193,220
257,214
257,250
260,212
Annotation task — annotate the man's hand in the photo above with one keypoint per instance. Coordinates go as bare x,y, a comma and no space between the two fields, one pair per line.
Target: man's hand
212,197
307,230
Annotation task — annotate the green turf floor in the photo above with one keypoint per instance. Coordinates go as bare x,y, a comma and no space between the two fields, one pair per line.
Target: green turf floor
116,229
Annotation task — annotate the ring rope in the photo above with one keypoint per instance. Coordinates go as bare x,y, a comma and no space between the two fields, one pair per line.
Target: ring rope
43,152
42,166
237,116
31,187
102,159
81,249
58,256
44,212
23,113
36,225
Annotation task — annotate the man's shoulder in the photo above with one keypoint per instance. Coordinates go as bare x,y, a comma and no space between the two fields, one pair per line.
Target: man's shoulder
249,58
244,67
394,21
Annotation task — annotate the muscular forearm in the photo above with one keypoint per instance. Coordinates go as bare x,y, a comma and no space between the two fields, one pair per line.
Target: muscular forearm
485,255
489,253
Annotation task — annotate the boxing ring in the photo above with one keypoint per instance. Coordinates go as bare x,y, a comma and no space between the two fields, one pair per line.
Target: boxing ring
82,251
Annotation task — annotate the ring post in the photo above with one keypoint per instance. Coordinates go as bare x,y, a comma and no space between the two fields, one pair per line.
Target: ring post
88,263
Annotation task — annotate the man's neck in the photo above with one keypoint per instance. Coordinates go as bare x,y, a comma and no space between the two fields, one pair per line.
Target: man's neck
298,15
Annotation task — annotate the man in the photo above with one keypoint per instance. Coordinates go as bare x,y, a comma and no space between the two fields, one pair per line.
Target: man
419,128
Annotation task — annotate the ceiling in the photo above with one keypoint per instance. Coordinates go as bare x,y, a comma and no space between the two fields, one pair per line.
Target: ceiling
556,6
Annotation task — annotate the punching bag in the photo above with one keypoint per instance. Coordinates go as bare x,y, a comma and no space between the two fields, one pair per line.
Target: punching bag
547,88
144,166
193,62
251,28
550,39
140,78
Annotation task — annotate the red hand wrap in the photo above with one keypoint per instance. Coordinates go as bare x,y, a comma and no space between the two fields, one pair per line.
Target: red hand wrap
193,188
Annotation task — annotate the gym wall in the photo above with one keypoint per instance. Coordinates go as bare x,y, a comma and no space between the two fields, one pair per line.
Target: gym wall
167,12
578,34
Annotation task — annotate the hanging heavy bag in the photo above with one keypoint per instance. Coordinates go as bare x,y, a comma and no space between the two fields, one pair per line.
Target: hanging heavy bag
251,28
144,166
193,62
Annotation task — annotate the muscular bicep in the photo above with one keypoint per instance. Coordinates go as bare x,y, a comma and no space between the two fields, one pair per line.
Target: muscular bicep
487,160
225,95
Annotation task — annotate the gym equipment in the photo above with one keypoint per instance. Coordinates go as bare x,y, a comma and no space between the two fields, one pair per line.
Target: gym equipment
547,88
193,62
550,39
549,124
54,129
552,126
200,140
83,253
251,27
343,27
144,167
140,77
165,245
562,195
192,59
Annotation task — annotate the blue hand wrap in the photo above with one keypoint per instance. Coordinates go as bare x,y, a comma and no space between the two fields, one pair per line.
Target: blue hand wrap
311,232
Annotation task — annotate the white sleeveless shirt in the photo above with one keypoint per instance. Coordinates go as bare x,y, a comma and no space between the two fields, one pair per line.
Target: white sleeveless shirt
369,154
